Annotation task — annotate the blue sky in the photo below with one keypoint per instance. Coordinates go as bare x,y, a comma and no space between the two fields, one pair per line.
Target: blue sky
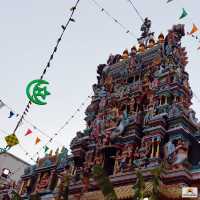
29,30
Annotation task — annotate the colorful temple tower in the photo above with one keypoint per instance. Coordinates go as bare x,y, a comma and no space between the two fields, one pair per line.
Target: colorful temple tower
140,118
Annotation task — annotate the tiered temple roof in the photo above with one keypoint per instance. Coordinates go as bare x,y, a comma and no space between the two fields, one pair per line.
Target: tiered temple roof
140,116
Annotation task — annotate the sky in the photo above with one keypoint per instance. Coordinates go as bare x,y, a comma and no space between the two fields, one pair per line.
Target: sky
29,31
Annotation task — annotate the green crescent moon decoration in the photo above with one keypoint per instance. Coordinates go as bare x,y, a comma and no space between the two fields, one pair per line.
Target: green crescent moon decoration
36,93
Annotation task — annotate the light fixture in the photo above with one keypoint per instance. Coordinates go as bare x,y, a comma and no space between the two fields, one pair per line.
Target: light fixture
5,172
146,198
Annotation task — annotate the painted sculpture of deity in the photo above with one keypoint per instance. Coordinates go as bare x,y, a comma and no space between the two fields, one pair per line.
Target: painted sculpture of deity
177,154
43,182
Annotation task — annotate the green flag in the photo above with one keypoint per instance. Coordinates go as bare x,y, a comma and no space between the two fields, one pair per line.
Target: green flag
184,14
46,148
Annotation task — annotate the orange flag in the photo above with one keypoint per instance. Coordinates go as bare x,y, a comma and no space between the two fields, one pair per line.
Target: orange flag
37,140
194,29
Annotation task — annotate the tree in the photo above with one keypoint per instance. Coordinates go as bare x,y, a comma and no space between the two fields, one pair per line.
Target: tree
156,182
139,186
104,183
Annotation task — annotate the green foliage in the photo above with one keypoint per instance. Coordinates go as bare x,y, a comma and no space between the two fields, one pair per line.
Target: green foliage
104,183
35,197
15,196
156,182
139,186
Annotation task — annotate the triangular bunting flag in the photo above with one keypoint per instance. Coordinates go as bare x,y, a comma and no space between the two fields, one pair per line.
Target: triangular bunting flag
11,114
37,140
11,140
2,104
28,132
46,148
194,29
184,14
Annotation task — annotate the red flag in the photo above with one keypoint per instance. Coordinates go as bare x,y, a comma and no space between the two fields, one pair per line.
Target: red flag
28,132
37,140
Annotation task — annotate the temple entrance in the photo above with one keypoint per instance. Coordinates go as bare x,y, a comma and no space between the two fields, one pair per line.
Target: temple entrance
109,160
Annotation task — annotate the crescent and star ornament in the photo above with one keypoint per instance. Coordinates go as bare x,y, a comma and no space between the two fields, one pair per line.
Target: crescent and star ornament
37,92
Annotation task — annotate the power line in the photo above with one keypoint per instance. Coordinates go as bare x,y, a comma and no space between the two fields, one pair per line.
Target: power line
56,134
103,10
64,125
64,27
136,10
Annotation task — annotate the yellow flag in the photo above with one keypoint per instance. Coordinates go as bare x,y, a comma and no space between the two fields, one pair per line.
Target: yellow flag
11,140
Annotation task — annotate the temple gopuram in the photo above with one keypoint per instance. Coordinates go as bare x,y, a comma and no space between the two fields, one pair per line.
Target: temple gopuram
142,137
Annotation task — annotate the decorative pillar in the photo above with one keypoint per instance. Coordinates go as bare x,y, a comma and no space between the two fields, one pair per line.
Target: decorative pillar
50,178
37,182
158,147
152,147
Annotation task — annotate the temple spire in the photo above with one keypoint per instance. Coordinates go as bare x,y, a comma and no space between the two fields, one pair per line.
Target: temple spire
146,32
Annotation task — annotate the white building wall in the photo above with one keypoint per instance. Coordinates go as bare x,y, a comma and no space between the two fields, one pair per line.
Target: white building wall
15,165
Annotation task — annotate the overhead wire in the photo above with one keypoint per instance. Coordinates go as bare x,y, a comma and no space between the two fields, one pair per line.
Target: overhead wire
64,27
25,120
64,125
55,134
136,10
106,12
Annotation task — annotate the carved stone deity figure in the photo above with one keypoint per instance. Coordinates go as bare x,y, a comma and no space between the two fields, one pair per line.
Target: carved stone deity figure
145,28
110,60
123,161
102,104
108,83
132,62
117,162
98,159
125,54
181,153
43,182
176,154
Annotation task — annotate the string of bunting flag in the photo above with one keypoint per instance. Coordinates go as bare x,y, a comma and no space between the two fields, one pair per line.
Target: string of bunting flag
103,10
194,27
29,131
64,27
12,139
136,10
45,147
193,34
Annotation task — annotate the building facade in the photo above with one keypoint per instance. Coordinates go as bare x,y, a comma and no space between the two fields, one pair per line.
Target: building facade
11,170
139,119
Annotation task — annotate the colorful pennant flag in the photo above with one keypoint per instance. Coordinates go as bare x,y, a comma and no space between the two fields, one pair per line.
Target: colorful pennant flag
11,140
37,140
2,104
169,1
28,132
46,148
194,29
11,114
184,14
